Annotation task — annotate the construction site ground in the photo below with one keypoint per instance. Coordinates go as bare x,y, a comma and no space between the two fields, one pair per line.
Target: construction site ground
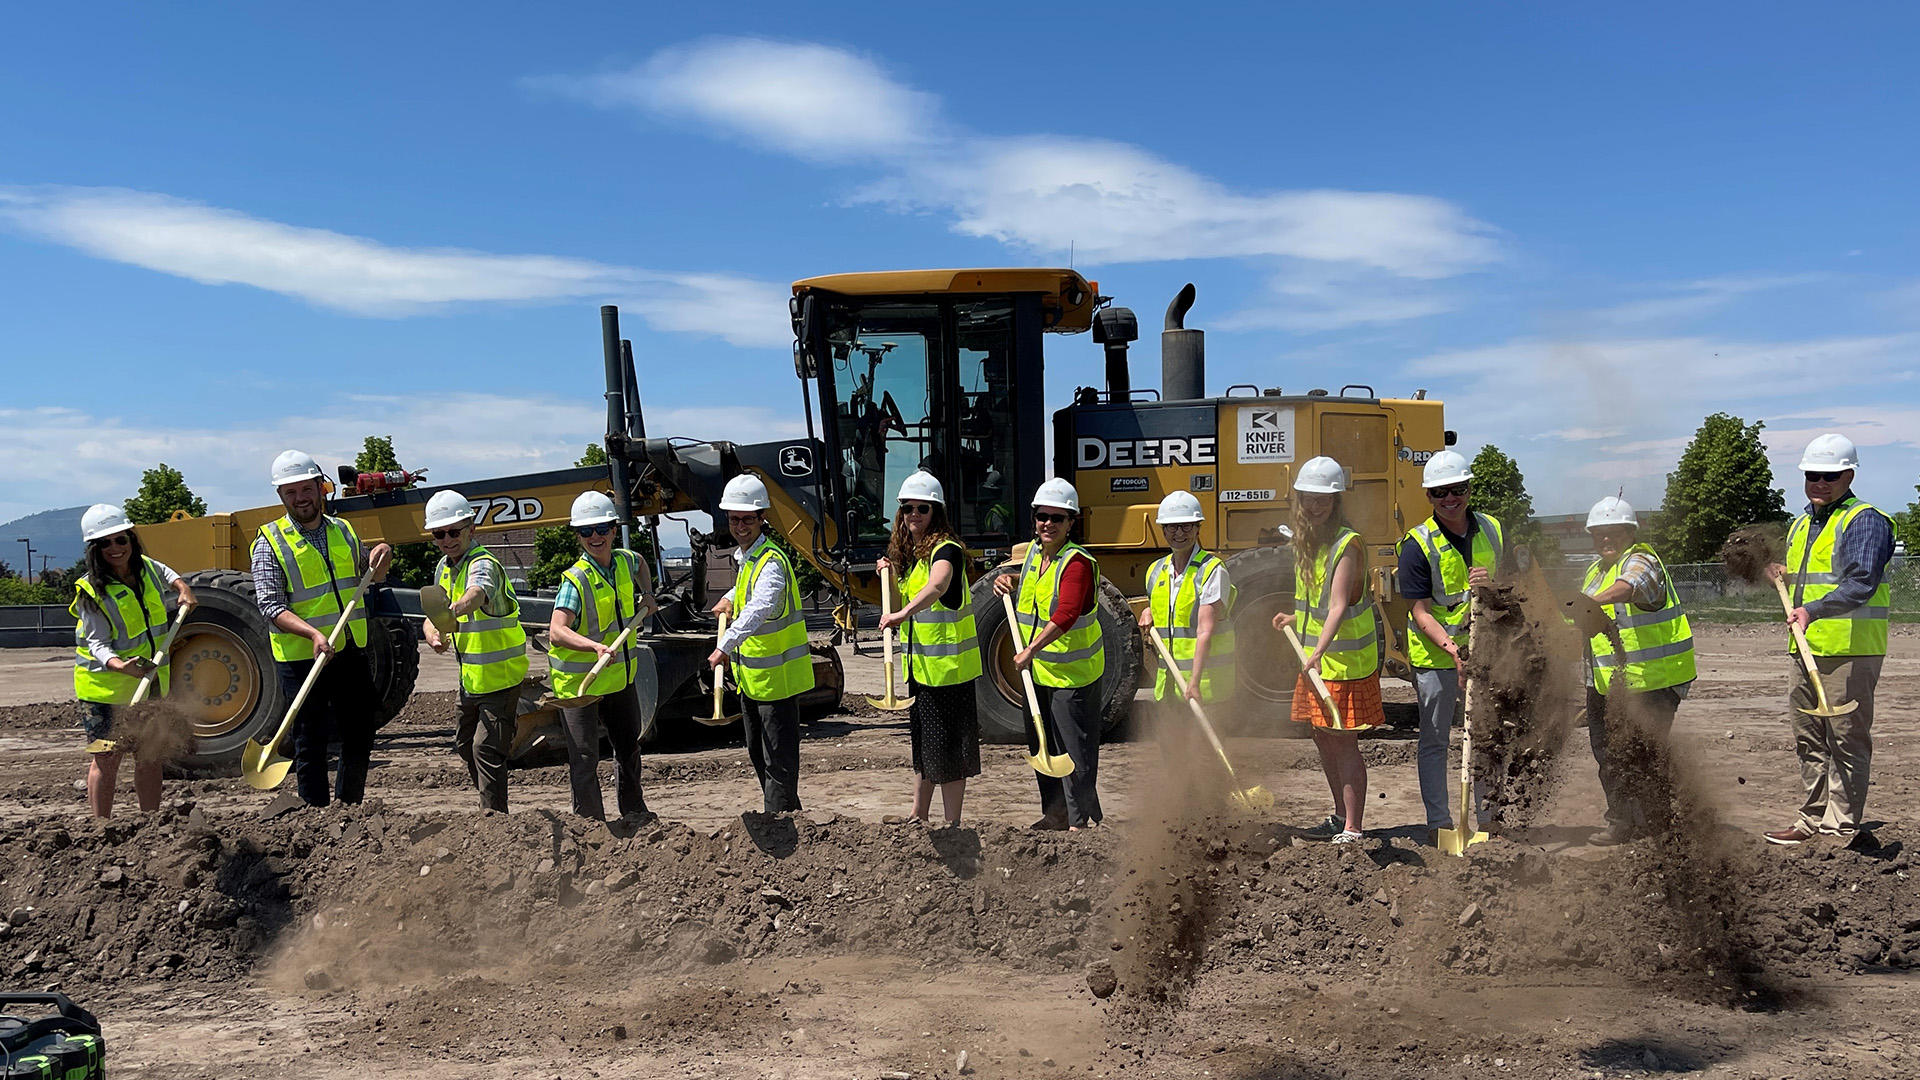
415,936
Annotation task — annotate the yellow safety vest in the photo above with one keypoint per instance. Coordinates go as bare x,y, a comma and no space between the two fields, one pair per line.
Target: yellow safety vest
1449,572
1811,575
774,663
492,649
609,597
942,648
139,622
1355,652
318,583
1176,614
1658,644
1077,657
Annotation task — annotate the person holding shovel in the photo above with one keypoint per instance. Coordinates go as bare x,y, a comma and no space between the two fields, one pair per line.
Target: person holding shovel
943,652
1440,560
1057,590
1189,599
488,640
305,566
1338,628
1836,571
606,590
1633,692
121,607
772,664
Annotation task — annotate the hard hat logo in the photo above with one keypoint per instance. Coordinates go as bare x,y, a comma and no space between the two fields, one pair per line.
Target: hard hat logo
592,508
447,509
923,486
1445,468
1058,492
1179,508
1830,453
745,492
1321,476
1611,511
102,520
292,466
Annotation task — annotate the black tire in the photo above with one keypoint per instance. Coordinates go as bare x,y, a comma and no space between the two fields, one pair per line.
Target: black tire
1000,700
224,659
1265,664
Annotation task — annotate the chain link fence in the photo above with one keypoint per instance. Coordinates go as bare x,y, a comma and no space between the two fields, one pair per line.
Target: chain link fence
1709,594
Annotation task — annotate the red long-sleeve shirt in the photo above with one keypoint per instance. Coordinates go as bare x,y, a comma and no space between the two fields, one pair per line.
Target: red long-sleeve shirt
1075,597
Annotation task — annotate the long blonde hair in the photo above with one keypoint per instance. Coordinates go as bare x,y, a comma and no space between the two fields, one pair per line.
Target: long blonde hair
1309,538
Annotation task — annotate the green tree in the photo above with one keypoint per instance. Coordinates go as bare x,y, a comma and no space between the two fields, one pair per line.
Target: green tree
163,490
596,455
376,455
1500,490
1723,481
1906,525
556,547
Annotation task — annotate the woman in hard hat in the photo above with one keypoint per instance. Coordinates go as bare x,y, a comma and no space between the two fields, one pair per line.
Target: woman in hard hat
1057,603
121,606
767,639
487,639
1337,627
943,652
1189,601
606,590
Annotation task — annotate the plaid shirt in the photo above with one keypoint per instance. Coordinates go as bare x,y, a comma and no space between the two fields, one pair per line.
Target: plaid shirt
1860,558
270,582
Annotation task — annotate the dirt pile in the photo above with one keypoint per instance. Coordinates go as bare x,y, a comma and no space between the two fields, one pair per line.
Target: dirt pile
1749,551
1523,667
154,731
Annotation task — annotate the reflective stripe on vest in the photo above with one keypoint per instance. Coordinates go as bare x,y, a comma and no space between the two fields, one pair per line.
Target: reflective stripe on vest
318,584
608,599
773,663
1176,614
1658,644
1449,576
139,622
1355,650
1077,657
492,648
942,648
1812,575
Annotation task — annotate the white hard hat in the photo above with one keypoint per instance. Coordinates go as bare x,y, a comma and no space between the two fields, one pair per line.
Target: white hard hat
1611,511
923,486
1179,508
1830,453
103,520
592,508
1322,476
449,508
1057,492
1445,469
745,492
292,466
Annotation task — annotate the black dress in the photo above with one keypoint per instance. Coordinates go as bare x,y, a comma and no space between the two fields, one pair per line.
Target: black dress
942,722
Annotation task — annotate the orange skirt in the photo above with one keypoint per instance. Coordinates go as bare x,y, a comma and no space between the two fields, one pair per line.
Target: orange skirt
1357,699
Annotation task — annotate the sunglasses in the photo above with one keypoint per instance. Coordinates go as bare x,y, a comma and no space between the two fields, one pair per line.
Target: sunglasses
1439,493
449,534
116,540
1051,519
916,508
1824,477
589,530
1179,526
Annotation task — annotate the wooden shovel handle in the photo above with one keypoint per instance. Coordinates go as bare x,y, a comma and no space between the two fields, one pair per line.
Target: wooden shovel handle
320,662
1019,641
1313,676
1180,681
166,645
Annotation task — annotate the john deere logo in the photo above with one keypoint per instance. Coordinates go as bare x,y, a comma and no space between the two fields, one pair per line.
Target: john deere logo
796,460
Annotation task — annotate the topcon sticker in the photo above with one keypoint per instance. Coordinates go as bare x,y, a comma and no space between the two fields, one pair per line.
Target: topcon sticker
1266,433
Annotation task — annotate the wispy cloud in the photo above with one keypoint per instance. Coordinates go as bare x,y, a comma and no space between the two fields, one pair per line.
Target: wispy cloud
1111,201
1690,299
60,456
216,246
1318,297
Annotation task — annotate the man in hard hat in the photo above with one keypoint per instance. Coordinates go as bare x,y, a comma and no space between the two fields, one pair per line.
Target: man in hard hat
1440,560
1634,688
767,639
1837,556
1057,602
488,640
605,591
305,566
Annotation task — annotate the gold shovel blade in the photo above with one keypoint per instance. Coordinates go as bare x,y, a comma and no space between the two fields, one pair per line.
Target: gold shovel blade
1455,841
438,609
1054,765
890,703
1256,797
717,721
263,772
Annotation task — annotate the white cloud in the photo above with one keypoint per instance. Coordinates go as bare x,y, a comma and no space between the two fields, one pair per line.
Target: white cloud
60,456
1111,201
1693,298
216,246
1313,298
1586,415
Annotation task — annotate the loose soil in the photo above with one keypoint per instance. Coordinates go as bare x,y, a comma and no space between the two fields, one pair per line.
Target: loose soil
417,936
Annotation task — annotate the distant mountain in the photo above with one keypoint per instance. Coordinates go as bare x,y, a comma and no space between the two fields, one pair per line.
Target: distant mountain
54,533
680,552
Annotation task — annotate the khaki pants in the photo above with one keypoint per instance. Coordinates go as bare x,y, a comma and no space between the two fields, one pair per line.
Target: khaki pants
1835,751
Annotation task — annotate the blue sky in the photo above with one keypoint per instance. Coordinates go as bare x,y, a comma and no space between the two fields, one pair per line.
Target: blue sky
229,229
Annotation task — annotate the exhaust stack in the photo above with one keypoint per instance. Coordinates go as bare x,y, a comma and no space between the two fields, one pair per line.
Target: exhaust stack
1183,353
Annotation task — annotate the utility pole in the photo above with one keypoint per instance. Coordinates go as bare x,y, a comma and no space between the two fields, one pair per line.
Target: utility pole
27,574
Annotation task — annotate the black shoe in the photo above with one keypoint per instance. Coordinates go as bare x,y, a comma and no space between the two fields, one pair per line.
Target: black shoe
1326,830
1050,824
1607,837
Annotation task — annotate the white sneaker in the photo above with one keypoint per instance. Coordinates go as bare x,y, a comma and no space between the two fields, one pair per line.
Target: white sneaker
1348,836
